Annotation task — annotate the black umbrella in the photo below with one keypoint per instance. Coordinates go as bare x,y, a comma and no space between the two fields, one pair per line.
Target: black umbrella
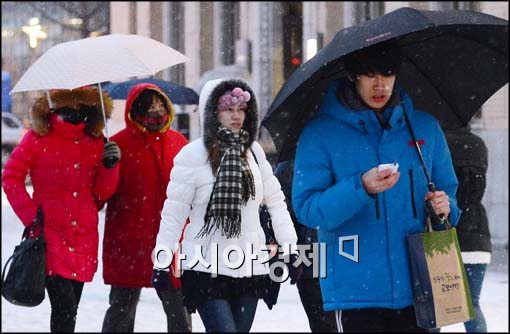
452,62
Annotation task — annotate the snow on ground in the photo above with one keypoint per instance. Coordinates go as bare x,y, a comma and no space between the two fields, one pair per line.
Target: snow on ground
287,316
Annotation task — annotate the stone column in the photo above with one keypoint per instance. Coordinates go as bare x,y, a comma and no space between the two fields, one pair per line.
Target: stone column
349,13
390,6
217,24
192,42
334,20
192,47
493,128
119,12
143,17
262,54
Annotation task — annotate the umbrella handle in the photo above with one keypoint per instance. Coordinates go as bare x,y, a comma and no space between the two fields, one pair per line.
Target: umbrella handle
102,108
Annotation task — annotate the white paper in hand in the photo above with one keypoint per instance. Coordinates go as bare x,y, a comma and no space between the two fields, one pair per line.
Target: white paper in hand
393,167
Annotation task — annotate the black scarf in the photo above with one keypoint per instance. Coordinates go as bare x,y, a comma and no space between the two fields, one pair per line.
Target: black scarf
233,187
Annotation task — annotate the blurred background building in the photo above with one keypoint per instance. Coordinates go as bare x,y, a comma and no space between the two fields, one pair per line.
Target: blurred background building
263,42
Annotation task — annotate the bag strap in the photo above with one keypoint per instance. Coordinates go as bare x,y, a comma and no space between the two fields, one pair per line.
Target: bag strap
430,185
254,157
28,232
272,238
5,267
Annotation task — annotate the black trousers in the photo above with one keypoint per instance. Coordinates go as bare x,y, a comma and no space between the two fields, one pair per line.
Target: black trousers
311,298
64,297
379,320
120,316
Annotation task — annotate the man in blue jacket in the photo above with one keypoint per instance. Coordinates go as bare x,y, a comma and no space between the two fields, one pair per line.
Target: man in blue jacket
338,189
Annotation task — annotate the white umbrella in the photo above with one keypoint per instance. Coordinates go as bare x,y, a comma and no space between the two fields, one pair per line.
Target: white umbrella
94,60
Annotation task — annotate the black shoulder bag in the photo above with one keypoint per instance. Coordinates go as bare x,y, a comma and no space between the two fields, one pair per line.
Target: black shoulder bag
25,281
273,288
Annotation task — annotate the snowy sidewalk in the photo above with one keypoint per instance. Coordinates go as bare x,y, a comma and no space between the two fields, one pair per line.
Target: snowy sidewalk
287,316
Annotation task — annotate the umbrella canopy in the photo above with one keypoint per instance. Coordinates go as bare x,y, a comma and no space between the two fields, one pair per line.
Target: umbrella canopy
452,62
178,94
97,59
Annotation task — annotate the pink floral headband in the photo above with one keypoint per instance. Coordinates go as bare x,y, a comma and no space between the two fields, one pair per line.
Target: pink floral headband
235,97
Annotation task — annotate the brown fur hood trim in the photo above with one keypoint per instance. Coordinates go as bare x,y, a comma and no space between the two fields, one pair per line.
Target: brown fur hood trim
88,96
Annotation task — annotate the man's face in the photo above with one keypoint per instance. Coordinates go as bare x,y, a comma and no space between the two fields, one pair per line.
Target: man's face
374,89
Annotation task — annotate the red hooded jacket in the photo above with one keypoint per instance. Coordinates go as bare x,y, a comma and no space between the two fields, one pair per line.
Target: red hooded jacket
133,213
69,181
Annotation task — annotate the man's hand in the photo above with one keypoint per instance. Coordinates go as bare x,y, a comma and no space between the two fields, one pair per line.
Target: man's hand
376,182
440,202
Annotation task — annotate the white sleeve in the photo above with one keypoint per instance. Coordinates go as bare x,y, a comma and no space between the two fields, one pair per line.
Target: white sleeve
180,193
274,199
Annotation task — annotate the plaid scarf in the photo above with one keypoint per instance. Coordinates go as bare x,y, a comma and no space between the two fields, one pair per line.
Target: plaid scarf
234,186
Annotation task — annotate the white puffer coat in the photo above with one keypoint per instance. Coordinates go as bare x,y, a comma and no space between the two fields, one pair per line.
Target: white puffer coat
190,187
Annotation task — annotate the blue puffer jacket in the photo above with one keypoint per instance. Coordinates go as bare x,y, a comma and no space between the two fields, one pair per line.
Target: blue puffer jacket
333,152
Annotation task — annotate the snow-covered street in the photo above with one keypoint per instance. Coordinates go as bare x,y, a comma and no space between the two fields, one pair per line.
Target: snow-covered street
288,315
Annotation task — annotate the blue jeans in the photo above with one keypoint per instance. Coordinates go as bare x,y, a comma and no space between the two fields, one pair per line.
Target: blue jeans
475,274
235,315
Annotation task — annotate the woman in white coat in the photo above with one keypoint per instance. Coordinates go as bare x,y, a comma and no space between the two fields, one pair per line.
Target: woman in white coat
219,185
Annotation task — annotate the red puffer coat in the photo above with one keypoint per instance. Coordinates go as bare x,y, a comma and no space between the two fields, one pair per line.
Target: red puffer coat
69,181
133,213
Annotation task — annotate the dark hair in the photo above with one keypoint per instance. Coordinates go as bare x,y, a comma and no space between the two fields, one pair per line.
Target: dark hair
381,58
143,102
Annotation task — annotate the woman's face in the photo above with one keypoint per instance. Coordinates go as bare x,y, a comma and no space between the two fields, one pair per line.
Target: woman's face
155,118
232,118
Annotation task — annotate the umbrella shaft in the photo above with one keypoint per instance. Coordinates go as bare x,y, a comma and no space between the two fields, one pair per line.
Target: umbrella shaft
102,108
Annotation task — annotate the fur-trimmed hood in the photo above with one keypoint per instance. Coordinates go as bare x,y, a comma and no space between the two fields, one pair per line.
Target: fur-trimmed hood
208,103
88,96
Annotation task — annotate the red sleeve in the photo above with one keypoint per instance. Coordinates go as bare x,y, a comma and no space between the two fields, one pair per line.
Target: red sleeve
14,175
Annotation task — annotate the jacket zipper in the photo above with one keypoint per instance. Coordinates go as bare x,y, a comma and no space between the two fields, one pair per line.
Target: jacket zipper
377,209
411,181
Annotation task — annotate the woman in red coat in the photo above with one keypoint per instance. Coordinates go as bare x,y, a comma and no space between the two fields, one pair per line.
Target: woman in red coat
133,213
72,171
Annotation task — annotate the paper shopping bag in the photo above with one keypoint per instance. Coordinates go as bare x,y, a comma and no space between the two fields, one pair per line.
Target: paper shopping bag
440,289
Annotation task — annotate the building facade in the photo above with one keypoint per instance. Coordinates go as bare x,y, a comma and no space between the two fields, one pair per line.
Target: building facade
264,42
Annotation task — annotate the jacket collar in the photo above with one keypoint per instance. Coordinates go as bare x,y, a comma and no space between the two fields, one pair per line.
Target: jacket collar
64,129
364,116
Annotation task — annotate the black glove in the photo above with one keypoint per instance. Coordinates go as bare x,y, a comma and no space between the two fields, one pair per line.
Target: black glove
111,154
160,280
294,272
